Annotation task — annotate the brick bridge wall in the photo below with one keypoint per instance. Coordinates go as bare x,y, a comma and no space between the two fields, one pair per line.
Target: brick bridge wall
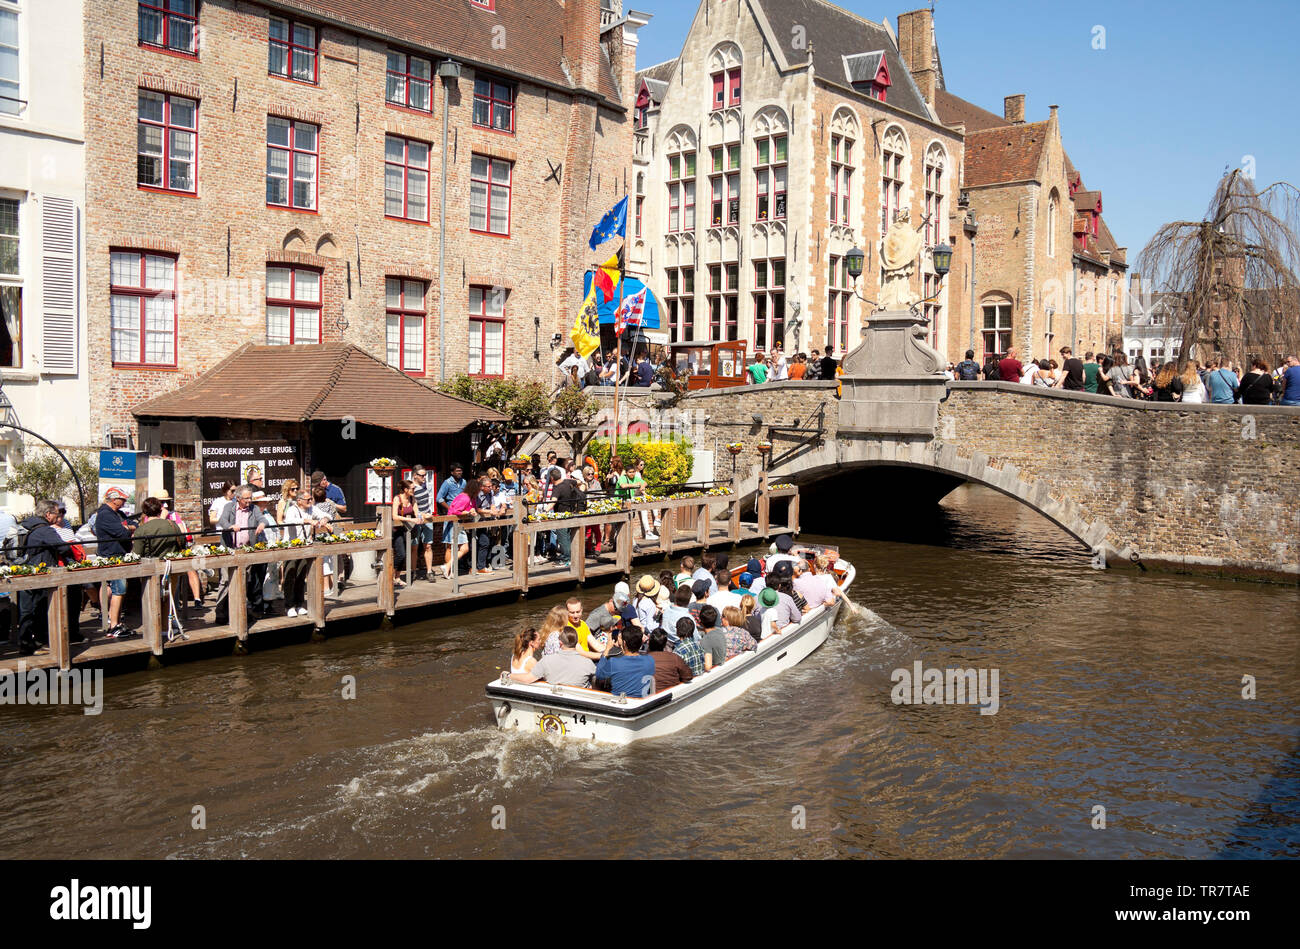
1213,487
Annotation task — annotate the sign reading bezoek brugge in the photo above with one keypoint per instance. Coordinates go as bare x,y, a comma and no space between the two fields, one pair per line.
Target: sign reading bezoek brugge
273,461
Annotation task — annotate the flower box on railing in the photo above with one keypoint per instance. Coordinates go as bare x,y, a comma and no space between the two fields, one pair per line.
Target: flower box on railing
23,570
94,561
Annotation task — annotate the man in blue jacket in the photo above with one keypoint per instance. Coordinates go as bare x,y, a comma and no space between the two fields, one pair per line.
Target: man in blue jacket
41,545
113,533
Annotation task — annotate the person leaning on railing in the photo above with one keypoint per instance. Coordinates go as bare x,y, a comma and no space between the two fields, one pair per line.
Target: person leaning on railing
41,545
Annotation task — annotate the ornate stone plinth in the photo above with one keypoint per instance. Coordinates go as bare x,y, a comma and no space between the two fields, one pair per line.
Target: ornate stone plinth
894,381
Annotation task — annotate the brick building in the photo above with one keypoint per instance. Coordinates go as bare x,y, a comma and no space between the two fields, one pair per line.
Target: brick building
1048,271
784,134
271,172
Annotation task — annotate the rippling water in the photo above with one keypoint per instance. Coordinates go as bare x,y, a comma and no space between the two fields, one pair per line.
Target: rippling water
1117,689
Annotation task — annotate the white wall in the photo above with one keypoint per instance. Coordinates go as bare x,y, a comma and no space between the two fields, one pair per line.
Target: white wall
42,157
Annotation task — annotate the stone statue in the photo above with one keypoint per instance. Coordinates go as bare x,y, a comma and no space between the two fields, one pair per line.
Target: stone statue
899,250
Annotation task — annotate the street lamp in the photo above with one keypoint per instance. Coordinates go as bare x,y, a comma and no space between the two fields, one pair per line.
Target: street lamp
942,256
855,259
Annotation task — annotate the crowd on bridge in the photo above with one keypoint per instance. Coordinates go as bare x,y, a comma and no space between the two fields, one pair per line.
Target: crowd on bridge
676,626
1216,381
641,370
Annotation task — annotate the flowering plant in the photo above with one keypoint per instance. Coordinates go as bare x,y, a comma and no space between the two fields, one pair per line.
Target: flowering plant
735,447
23,570
602,506
764,446
777,487
347,536
94,560
251,548
382,463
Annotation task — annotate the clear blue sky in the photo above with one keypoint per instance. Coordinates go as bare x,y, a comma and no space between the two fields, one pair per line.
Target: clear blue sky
1180,90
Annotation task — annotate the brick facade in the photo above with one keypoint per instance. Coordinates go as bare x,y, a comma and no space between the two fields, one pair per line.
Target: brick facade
226,235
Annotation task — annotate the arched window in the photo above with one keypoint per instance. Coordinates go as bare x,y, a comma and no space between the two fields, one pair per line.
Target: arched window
681,180
724,72
844,134
892,164
936,210
996,333
771,154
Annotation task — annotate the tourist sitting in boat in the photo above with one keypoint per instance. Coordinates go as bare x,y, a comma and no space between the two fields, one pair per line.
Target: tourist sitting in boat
818,588
565,667
778,612
676,611
700,596
646,605
784,552
685,573
755,569
524,655
784,585
670,668
742,582
722,597
708,563
556,619
737,637
713,639
573,611
604,618
751,615
687,647
630,672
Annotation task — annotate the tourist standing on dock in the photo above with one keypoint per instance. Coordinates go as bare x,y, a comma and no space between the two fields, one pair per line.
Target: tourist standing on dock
405,521
113,532
42,545
424,510
447,492
241,524
1291,382
485,503
332,491
218,505
298,525
568,499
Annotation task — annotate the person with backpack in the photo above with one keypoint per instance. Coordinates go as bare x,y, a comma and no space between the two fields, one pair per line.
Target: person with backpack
992,370
41,544
968,370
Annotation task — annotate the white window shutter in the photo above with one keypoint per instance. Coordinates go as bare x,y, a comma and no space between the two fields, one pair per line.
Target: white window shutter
59,285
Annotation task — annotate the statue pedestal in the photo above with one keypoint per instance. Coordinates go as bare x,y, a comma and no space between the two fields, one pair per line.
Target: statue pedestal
894,381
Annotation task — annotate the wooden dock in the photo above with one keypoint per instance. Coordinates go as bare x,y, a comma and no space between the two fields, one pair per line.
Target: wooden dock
687,525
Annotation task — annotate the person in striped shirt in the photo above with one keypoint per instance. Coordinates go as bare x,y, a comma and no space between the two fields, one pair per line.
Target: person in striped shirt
424,509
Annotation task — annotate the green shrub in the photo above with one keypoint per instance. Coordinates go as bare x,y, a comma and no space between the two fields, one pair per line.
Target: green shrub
666,462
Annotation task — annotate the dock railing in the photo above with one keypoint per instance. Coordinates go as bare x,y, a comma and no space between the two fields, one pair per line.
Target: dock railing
697,521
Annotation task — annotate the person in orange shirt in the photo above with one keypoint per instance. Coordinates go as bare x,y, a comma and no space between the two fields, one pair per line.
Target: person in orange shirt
799,366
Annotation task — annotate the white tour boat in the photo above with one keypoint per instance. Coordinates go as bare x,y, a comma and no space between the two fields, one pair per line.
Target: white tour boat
600,716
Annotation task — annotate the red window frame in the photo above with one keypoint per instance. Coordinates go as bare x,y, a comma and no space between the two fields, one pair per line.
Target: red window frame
930,288
403,312
733,86
482,318
719,91
294,304
492,102
837,304
143,293
490,184
407,167
167,127
293,150
289,47
163,8
674,207
772,295
407,78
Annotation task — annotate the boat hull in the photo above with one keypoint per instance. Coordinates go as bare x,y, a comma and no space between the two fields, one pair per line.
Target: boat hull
586,714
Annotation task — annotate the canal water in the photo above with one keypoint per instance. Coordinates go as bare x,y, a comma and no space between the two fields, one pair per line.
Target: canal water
1117,690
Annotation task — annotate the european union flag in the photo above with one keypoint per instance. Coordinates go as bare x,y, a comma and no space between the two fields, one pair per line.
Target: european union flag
614,222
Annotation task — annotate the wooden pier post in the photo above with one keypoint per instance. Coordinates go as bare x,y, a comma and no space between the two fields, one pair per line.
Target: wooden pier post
237,603
151,612
521,541
668,530
702,527
387,598
105,597
625,543
316,596
735,510
56,623
763,506
578,553
792,520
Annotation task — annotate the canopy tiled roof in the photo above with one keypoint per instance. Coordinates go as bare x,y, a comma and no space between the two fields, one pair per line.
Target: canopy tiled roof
325,382
1005,153
534,32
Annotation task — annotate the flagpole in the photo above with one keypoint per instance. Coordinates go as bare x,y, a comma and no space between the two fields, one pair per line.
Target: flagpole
618,352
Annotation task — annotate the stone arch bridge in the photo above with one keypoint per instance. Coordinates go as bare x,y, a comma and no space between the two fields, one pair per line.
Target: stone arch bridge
1188,487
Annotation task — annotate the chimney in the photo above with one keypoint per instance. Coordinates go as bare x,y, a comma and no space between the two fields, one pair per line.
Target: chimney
916,46
1013,109
582,42
1053,109
1135,285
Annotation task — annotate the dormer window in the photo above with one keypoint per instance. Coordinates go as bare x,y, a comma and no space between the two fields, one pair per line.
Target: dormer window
869,74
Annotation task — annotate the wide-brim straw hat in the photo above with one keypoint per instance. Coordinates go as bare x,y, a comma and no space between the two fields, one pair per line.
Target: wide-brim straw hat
648,586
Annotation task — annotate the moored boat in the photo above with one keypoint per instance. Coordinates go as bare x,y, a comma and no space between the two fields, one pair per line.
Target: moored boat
590,714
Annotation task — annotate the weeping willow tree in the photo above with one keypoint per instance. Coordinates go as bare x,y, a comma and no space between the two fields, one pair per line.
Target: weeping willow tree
1234,273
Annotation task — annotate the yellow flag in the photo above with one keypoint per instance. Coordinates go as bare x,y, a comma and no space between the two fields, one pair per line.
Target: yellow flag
586,327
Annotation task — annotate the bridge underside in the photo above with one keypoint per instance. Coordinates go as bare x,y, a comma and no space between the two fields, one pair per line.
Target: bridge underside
861,499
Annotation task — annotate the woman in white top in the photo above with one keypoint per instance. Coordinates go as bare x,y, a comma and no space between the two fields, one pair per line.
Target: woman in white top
524,655
1028,373
218,505
297,523
1193,388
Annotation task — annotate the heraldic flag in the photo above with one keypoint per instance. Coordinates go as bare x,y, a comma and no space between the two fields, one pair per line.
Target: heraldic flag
629,314
586,328
614,222
607,278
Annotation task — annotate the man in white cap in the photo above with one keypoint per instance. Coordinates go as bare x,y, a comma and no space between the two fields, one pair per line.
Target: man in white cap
113,539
